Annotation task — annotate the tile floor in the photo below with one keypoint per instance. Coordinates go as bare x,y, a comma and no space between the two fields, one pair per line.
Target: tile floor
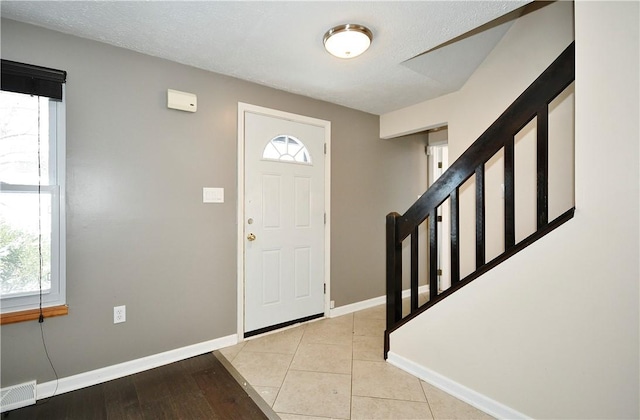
333,368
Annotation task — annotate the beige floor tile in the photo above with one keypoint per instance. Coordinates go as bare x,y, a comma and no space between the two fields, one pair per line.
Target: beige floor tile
371,327
285,416
231,352
315,394
342,319
262,369
406,303
377,312
445,406
423,298
380,408
268,393
406,306
382,380
330,358
341,324
280,342
330,331
334,369
368,348
319,337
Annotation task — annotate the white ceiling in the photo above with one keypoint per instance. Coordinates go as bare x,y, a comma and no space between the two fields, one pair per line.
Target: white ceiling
279,44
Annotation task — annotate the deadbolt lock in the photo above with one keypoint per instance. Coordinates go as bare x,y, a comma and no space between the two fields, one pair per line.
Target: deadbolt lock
251,237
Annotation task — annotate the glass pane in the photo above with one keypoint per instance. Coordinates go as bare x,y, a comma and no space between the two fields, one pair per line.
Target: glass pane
19,247
286,149
281,147
24,119
270,152
294,147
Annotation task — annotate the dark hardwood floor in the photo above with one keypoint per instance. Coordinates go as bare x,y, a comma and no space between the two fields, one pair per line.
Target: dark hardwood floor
195,388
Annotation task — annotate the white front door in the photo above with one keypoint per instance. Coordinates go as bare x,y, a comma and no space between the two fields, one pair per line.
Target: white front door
284,221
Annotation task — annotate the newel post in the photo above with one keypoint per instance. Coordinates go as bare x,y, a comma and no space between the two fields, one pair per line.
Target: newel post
394,276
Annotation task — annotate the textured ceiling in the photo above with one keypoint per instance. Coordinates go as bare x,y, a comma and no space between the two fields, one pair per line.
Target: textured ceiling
279,44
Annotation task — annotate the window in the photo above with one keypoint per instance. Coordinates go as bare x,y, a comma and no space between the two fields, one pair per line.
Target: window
286,149
32,162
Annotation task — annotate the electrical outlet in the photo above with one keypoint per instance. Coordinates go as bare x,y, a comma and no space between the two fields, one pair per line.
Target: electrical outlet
119,314
332,304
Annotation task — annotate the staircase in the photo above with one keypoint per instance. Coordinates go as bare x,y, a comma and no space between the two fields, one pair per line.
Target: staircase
533,103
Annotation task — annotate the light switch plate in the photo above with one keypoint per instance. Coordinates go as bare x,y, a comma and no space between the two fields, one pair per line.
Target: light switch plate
213,195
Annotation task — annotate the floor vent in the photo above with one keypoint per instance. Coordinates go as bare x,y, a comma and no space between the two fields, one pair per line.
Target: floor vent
18,396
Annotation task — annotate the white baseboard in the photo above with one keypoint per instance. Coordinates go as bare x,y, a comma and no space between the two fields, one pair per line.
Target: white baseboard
461,392
358,306
94,377
370,303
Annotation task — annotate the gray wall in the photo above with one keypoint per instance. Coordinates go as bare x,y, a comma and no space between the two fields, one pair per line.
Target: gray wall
137,231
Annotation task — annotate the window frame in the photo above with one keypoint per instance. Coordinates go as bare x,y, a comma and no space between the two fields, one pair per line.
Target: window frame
21,306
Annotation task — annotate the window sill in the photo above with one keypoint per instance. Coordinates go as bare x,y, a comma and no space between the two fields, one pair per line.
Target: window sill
33,314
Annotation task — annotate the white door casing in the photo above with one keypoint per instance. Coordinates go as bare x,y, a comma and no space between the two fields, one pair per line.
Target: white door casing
283,242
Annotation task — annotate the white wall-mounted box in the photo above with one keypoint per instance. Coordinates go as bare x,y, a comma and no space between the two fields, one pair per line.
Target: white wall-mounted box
183,101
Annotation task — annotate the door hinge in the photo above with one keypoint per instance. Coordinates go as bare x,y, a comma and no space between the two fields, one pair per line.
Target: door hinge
439,272
439,219
325,288
439,165
325,148
325,217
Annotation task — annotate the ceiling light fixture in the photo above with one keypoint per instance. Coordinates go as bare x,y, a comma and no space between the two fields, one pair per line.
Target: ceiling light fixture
347,41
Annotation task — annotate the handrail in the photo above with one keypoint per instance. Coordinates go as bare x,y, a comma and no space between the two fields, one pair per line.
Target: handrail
549,84
532,103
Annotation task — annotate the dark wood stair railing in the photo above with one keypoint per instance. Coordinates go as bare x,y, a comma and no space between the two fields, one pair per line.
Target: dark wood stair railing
532,103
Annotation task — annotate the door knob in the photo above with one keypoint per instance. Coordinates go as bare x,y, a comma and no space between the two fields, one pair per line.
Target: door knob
251,237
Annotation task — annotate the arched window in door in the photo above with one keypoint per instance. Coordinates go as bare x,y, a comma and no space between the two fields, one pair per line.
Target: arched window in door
286,148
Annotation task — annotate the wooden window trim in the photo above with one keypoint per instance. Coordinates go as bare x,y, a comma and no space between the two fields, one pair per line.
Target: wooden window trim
33,314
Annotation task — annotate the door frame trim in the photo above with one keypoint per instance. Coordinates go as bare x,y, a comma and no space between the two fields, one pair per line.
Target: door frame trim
242,108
